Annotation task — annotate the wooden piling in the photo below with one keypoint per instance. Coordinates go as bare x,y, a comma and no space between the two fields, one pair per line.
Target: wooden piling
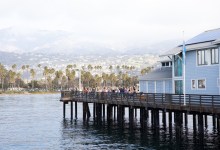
152,117
94,111
71,110
194,122
103,107
186,118
131,116
75,110
214,120
164,118
114,107
64,109
218,123
170,118
84,111
206,121
200,123
109,112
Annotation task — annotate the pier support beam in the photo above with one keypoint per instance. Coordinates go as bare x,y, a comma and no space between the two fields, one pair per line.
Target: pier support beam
75,110
131,116
156,118
186,118
64,109
200,123
170,118
206,121
94,111
103,107
218,123
194,122
71,110
214,120
109,112
164,118
86,111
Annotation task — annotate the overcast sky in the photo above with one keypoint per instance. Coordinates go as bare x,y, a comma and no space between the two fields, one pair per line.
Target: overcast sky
114,21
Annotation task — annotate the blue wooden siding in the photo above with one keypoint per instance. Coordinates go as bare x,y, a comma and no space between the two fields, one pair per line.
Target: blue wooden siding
168,86
210,73
151,86
159,86
143,86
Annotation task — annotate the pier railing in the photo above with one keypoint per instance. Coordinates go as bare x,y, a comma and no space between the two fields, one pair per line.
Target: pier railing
193,102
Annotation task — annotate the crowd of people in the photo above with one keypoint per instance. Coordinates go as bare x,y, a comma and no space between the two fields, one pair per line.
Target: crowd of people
129,90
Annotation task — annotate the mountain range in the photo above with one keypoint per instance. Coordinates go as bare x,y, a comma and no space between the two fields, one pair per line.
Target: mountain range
23,46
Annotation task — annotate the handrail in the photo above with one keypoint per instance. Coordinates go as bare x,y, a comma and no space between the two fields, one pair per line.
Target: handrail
210,102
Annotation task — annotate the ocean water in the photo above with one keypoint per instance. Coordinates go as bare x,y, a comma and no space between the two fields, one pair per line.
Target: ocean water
36,122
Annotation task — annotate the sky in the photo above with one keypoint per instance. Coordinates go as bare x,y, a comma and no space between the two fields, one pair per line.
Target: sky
116,23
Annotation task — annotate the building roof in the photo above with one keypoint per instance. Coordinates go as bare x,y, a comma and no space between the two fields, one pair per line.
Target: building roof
207,39
158,74
210,35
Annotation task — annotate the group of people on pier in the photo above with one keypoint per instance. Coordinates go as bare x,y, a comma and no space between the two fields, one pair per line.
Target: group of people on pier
108,92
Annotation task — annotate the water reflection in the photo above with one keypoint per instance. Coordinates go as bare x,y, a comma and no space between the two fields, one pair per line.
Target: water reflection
93,136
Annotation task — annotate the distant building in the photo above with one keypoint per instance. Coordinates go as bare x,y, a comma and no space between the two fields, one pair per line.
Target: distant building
202,68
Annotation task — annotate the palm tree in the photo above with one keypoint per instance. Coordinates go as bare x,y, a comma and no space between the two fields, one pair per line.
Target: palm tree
70,76
59,75
14,66
27,69
3,73
146,70
63,81
51,74
11,80
39,69
33,73
45,74
86,77
90,67
19,78
112,78
23,68
105,78
97,79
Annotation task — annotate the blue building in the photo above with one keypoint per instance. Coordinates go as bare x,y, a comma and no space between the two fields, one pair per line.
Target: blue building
202,68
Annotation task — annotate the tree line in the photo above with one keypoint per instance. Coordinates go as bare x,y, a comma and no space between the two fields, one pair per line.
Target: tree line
48,78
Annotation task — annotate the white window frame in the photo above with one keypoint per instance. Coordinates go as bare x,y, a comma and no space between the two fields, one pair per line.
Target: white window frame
198,84
192,84
213,58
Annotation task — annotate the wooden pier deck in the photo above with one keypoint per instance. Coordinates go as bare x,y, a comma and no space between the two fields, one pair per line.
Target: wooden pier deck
198,105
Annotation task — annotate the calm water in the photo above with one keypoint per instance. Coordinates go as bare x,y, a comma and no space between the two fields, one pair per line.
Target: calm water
35,122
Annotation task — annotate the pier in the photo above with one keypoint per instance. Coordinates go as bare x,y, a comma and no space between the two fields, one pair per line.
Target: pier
170,107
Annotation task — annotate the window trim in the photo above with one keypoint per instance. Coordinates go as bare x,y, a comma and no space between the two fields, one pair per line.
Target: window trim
208,59
202,58
213,49
192,84
198,84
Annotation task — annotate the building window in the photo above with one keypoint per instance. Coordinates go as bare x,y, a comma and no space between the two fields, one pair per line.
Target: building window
178,86
208,57
214,56
201,84
193,84
165,64
177,66
203,57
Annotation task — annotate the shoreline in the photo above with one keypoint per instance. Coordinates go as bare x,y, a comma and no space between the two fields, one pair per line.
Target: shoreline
26,93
